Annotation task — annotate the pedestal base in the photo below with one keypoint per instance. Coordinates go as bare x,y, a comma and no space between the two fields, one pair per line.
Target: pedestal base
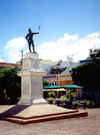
24,114
32,102
31,55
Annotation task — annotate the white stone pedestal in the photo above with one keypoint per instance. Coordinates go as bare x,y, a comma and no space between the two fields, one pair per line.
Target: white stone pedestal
31,80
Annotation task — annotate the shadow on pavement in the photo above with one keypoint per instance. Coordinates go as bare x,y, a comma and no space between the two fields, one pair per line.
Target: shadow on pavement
15,110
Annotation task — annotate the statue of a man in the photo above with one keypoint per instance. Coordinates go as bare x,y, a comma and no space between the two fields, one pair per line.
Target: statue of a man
29,38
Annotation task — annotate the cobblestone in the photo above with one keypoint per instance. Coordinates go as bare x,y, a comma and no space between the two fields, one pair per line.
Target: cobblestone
77,126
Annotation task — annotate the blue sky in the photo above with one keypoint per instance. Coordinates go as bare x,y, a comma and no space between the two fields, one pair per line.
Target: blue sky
76,19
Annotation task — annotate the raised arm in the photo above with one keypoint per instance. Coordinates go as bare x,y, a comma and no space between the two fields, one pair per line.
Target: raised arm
35,32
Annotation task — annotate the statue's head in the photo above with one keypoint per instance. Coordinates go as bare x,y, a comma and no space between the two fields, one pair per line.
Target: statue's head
29,30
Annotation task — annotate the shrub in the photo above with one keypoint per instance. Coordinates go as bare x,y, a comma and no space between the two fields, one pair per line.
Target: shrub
63,97
73,95
19,98
85,102
91,103
51,93
51,99
76,103
58,102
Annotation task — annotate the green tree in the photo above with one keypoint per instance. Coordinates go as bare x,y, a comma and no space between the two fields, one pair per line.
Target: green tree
9,80
45,83
87,75
55,71
93,54
73,95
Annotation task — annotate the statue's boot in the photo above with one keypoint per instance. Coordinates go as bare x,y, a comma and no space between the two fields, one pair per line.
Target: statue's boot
34,50
30,48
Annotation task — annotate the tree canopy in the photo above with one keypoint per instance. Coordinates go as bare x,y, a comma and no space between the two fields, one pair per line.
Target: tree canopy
45,83
87,75
94,53
9,80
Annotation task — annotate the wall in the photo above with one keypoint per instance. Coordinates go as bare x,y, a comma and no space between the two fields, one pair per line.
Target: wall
64,79
47,68
52,79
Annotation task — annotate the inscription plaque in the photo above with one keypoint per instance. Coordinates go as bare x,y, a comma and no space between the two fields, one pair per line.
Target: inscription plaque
25,88
37,86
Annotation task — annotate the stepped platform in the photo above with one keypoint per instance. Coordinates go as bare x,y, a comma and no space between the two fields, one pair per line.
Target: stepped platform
25,114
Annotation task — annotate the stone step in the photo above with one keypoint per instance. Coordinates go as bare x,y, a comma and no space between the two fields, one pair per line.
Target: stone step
45,118
39,116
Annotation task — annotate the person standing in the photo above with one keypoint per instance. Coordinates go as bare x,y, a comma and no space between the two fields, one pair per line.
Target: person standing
4,96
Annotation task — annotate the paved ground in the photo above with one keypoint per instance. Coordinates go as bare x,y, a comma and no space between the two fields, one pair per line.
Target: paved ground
78,126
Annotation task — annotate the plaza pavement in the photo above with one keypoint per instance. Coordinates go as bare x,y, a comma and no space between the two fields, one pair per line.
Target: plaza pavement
76,126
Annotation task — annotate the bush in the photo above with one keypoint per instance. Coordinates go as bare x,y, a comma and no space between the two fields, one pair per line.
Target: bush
50,100
85,102
19,98
73,95
91,104
45,83
63,97
51,93
58,102
76,104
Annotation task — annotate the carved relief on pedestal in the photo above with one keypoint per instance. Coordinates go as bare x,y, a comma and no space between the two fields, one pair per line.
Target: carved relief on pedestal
31,63
26,65
36,64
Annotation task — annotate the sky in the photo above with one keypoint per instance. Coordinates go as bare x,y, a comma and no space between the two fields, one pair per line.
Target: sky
68,28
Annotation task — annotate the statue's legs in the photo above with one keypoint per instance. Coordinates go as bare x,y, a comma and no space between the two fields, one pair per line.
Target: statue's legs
30,47
33,47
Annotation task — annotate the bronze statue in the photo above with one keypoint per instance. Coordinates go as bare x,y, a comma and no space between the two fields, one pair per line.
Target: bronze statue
29,38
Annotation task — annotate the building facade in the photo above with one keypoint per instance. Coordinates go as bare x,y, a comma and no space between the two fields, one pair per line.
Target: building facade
52,79
9,65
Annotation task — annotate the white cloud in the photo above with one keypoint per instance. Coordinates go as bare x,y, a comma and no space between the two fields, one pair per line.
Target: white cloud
69,45
55,50
92,35
66,45
67,39
1,60
13,49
